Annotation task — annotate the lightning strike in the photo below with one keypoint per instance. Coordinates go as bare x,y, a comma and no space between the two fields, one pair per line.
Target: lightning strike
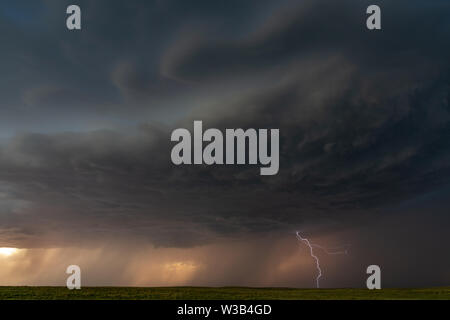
316,258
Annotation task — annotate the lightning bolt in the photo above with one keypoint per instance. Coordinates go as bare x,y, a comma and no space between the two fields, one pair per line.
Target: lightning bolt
316,258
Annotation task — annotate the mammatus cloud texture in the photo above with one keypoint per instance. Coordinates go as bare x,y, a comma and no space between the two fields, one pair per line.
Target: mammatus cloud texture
85,125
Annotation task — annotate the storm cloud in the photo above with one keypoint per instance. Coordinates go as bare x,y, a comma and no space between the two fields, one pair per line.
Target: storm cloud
86,117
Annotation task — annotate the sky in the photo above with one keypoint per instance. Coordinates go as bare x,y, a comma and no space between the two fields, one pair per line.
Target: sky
86,116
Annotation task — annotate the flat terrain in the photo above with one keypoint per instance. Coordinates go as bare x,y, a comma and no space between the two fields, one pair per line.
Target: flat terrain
225,293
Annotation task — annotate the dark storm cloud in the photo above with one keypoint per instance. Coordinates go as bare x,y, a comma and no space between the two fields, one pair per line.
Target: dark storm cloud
314,28
109,68
109,183
364,118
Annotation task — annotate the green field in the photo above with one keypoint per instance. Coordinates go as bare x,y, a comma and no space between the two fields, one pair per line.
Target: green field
203,293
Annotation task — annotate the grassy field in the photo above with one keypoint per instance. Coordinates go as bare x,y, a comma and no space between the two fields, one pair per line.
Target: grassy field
202,293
